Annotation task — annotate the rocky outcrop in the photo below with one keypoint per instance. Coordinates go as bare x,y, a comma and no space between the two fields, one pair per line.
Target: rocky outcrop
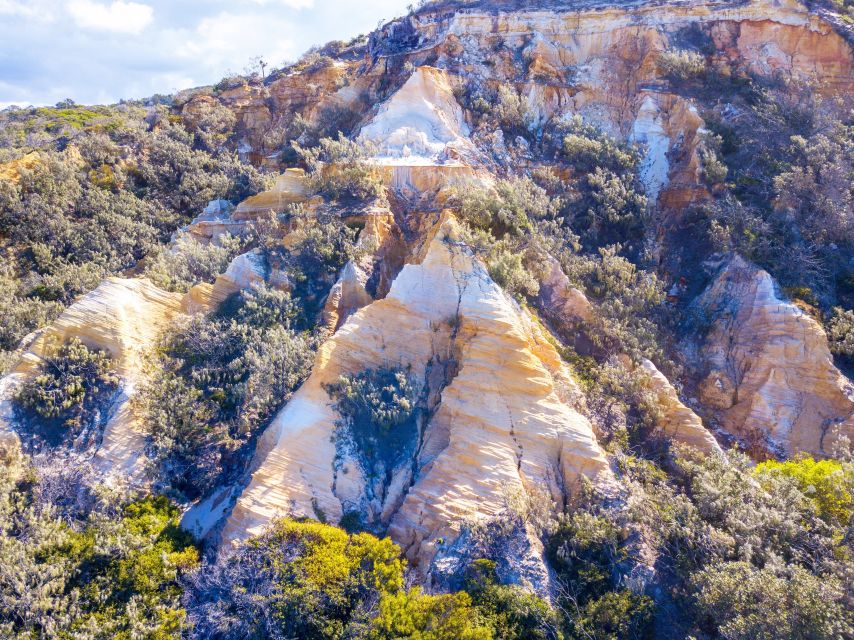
768,374
123,318
422,123
676,421
501,419
290,188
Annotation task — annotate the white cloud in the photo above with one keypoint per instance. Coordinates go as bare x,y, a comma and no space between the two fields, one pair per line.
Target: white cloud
118,16
40,10
226,42
293,4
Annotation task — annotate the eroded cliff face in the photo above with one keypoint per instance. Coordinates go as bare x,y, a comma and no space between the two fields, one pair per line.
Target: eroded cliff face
501,412
768,372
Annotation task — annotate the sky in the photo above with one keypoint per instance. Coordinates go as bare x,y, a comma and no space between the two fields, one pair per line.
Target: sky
99,51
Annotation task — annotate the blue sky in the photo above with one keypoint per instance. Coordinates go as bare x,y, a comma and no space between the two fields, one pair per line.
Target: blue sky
98,51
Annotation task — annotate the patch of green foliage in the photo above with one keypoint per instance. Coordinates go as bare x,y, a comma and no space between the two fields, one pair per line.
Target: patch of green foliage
827,483
314,581
220,379
750,551
318,252
68,393
110,574
379,416
340,169
95,200
585,552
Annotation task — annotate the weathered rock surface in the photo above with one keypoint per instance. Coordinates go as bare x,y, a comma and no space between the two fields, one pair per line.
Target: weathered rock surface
769,373
123,318
500,421
677,422
420,124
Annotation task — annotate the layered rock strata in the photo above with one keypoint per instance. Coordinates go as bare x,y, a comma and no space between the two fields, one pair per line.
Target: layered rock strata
769,374
500,422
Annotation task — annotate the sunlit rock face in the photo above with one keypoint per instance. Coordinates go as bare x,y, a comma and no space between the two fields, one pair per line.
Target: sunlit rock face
124,318
677,422
768,372
503,418
420,124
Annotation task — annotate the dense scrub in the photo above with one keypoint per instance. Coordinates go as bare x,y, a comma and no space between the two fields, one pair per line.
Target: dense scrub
314,581
95,191
66,401
81,562
219,380
378,417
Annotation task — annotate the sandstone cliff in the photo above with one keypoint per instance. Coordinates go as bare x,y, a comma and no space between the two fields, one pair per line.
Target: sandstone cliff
501,415
502,418
769,374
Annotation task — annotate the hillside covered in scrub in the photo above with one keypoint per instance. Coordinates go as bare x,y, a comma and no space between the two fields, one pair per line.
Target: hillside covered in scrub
509,320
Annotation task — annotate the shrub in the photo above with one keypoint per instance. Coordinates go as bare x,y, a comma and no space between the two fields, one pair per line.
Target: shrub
586,552
617,615
682,65
826,483
511,112
508,271
313,581
20,316
69,391
432,617
510,207
817,188
189,262
586,147
110,574
299,579
341,170
220,380
841,332
378,416
714,171
511,612
616,208
627,299
318,253
742,602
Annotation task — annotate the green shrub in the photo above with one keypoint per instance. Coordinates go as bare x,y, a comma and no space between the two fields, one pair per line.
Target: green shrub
627,300
429,617
682,65
378,415
827,483
113,573
508,610
219,381
317,254
616,208
68,392
587,147
510,208
841,332
617,615
742,602
341,170
510,111
508,270
188,262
